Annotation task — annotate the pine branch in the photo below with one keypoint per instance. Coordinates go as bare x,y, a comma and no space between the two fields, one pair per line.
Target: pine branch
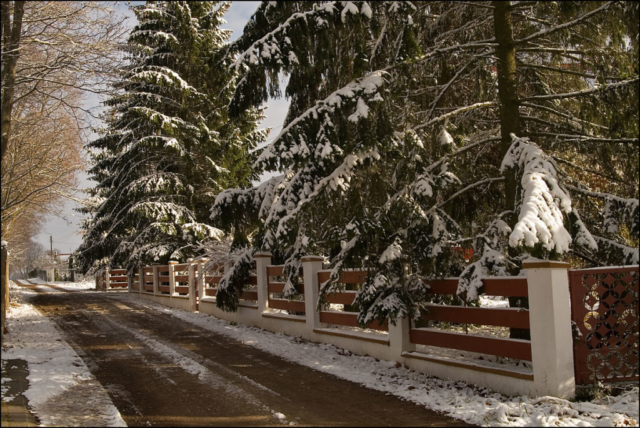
469,187
566,71
581,137
455,112
603,196
601,88
561,114
448,85
591,171
564,26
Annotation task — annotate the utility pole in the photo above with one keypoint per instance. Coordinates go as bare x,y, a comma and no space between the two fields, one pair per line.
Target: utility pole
51,241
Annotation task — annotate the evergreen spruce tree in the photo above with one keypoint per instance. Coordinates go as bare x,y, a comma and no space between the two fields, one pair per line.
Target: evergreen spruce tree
169,147
417,128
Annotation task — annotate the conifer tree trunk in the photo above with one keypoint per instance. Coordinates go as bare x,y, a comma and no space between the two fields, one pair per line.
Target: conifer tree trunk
507,88
509,118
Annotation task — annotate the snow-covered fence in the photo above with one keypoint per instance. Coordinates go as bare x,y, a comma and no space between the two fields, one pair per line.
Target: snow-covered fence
134,282
548,319
146,280
112,279
276,288
211,278
172,285
345,298
211,282
163,279
497,317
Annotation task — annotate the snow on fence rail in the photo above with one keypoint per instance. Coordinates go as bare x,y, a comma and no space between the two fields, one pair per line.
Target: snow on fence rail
551,372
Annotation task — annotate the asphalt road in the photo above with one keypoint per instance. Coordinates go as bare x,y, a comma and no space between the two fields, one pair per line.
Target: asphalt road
162,371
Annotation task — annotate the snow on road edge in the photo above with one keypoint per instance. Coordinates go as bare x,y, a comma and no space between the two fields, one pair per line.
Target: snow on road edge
459,400
54,367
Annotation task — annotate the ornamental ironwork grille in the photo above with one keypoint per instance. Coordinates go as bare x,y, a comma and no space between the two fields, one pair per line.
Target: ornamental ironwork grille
604,311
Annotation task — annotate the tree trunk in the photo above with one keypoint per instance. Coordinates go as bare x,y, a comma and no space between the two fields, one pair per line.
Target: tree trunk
509,119
507,88
10,58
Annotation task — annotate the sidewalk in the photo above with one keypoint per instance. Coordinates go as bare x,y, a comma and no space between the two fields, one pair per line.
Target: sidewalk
15,411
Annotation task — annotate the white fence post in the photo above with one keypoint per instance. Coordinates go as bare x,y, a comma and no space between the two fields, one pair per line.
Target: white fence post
172,278
107,281
201,279
141,280
400,337
550,324
311,265
155,279
262,261
192,286
129,282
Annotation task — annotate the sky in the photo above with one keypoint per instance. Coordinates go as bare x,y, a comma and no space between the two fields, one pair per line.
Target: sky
65,229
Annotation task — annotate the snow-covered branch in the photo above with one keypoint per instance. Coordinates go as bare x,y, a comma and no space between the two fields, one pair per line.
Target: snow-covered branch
594,90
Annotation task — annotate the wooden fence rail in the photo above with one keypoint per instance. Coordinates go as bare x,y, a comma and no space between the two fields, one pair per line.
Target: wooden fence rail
546,285
497,317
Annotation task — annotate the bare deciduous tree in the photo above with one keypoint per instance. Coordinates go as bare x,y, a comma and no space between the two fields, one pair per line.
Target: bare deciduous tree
54,53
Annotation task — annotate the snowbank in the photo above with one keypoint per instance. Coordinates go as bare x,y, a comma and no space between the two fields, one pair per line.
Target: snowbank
62,391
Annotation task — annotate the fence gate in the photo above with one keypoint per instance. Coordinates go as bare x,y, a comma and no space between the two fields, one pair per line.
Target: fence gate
604,307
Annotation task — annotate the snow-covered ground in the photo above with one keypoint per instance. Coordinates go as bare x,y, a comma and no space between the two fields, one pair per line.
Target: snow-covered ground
62,391
473,405
72,286
54,367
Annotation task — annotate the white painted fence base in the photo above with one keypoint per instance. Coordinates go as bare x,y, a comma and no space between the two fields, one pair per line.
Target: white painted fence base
178,302
552,352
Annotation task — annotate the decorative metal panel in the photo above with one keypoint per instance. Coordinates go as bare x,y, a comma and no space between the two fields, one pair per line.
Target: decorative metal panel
604,309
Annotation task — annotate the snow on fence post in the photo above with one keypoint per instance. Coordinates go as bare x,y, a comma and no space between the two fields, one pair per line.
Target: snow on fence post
156,281
311,265
201,282
192,286
107,281
129,282
141,280
262,261
550,320
172,278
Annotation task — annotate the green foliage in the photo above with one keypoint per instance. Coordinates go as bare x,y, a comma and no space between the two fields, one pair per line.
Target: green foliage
391,154
170,146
